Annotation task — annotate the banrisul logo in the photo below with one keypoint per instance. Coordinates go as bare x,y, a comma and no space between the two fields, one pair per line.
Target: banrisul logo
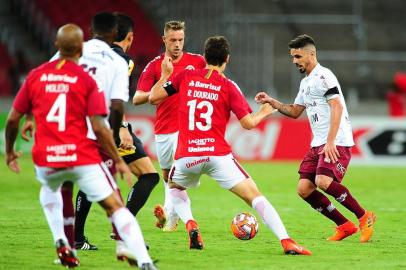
192,83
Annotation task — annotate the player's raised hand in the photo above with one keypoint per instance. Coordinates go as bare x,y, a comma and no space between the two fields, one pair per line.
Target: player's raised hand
124,172
11,160
262,98
166,67
330,152
27,130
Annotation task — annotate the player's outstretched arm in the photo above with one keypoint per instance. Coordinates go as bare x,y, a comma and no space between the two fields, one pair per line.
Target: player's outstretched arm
252,120
105,139
140,97
290,110
12,124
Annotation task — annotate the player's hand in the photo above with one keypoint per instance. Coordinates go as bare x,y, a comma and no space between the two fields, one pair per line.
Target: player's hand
11,160
27,130
330,152
166,67
124,172
262,98
126,140
267,109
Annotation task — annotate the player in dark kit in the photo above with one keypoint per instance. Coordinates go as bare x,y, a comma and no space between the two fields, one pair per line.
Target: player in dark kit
130,147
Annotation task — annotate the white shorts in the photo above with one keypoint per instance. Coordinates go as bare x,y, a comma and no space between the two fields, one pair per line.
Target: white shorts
165,145
225,170
94,180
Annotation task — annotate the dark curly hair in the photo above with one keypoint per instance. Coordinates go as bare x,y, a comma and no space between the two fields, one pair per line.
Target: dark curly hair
216,50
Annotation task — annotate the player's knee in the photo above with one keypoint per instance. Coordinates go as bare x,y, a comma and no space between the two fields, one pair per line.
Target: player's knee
142,166
323,182
247,190
111,204
304,190
151,179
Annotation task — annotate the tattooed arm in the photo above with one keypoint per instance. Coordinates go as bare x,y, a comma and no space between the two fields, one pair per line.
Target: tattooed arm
290,110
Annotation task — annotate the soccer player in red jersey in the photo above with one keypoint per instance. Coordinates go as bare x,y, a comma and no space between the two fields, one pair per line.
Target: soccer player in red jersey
60,95
166,124
206,99
326,162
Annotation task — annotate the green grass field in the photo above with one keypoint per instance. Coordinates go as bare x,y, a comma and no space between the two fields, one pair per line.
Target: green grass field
26,242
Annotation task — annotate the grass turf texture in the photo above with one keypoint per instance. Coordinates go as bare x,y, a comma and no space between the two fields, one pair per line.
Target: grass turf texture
26,242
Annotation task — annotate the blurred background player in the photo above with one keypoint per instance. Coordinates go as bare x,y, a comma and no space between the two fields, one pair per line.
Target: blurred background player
130,147
61,96
166,123
325,164
206,98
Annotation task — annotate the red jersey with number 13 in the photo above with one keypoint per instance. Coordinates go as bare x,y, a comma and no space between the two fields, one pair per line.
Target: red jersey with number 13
166,117
60,94
206,99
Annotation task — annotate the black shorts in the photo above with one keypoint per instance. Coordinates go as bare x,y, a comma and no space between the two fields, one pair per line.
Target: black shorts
139,149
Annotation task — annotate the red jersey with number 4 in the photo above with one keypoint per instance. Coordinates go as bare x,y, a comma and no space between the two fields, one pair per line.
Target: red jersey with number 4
60,94
206,99
166,112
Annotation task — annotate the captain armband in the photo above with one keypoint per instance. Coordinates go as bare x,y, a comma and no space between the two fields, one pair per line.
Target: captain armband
332,91
169,88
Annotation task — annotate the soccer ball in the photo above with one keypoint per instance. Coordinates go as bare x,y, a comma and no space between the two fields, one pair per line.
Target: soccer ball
244,226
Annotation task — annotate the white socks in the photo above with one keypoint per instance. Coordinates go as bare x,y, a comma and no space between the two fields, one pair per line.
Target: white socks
51,202
129,230
181,204
168,206
270,217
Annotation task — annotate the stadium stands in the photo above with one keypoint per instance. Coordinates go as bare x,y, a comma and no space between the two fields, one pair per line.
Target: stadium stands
362,41
147,40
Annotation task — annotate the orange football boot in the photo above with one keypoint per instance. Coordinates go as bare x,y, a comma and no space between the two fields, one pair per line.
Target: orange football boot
195,238
366,224
343,231
159,213
290,247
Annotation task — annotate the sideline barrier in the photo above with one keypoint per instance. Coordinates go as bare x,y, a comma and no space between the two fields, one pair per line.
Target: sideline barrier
379,140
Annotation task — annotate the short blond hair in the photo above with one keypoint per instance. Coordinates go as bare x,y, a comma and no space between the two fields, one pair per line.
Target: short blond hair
174,25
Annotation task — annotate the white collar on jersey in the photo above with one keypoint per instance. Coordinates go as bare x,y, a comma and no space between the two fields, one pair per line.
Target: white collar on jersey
98,42
317,67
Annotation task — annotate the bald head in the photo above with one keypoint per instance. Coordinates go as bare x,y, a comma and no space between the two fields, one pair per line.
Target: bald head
69,41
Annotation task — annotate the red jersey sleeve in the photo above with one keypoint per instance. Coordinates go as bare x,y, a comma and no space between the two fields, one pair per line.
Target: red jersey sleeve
202,63
147,78
238,104
96,102
22,101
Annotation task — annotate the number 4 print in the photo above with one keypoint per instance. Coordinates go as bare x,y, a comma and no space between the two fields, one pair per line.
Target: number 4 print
57,113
